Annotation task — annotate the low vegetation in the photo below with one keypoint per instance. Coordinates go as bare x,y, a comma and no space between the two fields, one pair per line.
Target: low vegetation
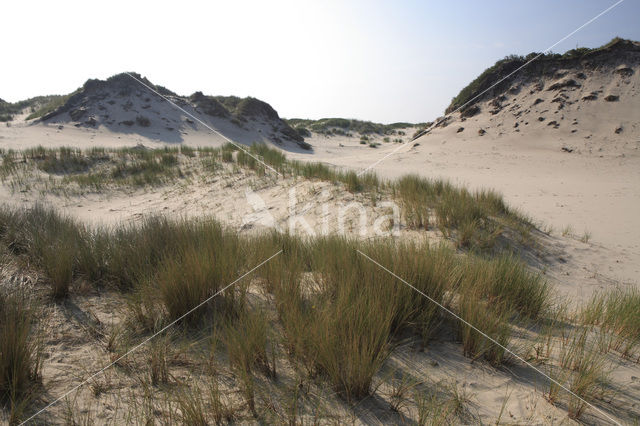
48,105
320,313
340,315
20,352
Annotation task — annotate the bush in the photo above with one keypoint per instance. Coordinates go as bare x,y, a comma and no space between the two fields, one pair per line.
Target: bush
143,121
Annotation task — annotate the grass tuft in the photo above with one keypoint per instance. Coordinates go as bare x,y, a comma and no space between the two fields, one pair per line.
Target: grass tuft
20,354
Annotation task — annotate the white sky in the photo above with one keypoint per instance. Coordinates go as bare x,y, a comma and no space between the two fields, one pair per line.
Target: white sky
376,60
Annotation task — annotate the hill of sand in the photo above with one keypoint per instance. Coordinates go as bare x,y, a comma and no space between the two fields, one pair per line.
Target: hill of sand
121,111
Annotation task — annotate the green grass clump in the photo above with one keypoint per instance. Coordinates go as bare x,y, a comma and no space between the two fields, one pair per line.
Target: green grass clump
68,161
58,263
313,170
55,243
584,370
8,165
493,322
249,161
247,342
194,273
350,325
416,194
65,160
342,323
20,355
337,329
272,157
505,281
187,151
145,172
227,156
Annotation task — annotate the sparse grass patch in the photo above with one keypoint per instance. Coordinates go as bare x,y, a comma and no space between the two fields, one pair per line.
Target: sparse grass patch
158,369
585,369
477,217
227,156
271,156
586,236
145,172
474,220
187,151
617,313
210,164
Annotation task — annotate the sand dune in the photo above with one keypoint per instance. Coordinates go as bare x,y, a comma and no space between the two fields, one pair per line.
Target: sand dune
562,145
